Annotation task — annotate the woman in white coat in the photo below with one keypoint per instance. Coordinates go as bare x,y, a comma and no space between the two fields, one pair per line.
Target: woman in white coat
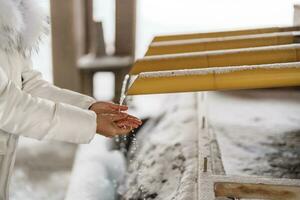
30,106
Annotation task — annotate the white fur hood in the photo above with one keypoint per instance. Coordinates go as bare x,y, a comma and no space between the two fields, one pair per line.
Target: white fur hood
22,24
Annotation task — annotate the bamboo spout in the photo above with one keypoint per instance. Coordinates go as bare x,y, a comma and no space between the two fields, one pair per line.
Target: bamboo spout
225,33
233,57
221,43
230,78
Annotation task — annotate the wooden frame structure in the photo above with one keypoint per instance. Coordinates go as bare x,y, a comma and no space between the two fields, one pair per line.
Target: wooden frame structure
79,48
212,181
214,184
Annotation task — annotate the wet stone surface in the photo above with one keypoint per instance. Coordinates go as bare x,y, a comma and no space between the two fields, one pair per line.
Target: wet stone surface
164,165
284,162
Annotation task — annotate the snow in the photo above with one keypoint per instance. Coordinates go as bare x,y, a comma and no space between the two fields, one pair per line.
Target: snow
97,171
42,170
217,70
258,131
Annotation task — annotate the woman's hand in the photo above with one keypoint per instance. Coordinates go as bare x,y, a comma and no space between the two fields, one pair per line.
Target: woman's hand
113,124
112,121
106,107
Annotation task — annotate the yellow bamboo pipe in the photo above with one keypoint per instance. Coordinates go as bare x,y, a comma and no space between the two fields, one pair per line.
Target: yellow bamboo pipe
210,79
232,57
225,33
221,43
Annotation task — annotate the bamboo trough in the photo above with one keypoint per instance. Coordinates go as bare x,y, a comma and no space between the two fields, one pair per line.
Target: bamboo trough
208,59
225,33
222,43
220,78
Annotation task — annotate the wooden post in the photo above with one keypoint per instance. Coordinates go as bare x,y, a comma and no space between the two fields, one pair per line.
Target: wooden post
125,38
297,14
125,27
68,42
98,44
90,25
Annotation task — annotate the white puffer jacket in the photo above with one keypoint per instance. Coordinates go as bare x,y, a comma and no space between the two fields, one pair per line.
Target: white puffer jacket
30,106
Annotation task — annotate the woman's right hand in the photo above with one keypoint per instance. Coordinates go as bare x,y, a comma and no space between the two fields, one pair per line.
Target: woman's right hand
118,123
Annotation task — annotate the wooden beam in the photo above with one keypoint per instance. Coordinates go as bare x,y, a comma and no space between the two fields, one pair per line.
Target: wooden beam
106,63
205,170
251,187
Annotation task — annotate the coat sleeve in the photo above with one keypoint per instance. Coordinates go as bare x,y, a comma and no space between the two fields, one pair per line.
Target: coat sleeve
34,117
34,84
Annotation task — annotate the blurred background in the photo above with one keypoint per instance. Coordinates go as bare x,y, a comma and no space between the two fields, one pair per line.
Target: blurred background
42,169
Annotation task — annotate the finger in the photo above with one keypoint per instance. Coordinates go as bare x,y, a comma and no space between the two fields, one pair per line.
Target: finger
117,117
118,107
130,121
124,130
127,124
102,111
136,120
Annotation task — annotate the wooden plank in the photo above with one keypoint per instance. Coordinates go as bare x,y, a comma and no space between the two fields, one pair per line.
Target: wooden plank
216,157
205,171
257,188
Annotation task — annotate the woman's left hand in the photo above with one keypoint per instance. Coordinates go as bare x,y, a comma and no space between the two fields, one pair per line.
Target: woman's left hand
107,107
110,108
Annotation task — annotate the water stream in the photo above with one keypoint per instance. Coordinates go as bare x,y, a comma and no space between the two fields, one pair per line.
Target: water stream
123,140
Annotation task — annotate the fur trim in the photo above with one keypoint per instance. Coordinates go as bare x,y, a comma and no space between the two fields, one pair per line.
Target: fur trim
22,24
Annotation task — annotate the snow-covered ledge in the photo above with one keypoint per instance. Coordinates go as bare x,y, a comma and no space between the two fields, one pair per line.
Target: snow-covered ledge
165,164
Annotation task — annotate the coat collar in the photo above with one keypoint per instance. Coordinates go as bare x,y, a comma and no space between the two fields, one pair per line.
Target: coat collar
22,24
